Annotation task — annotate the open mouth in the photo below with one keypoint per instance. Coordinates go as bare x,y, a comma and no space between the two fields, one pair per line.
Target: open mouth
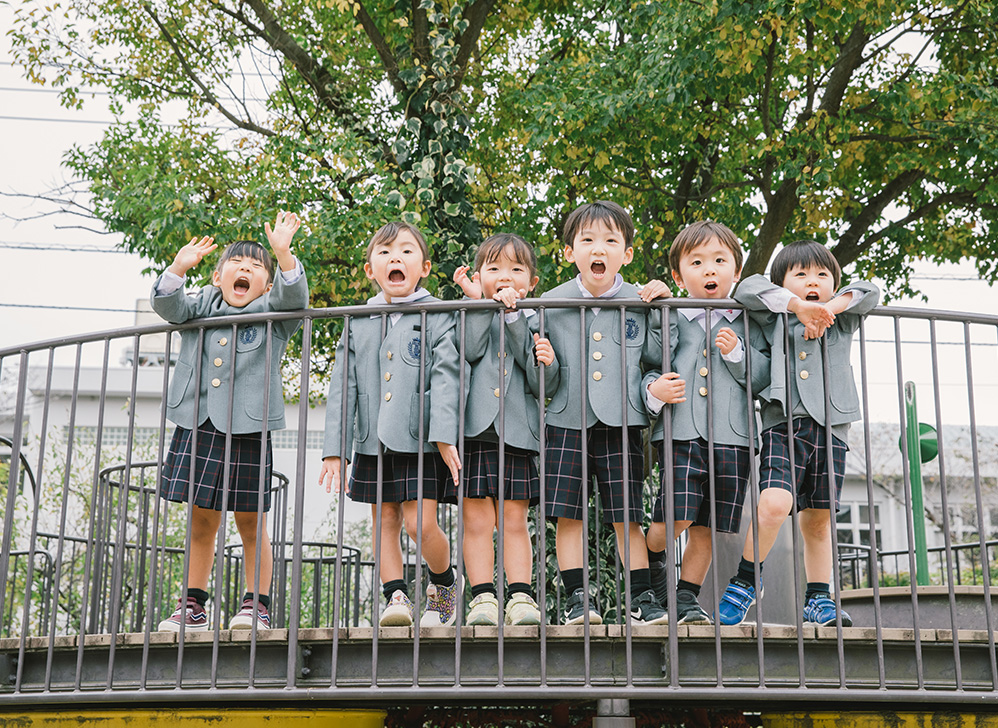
598,268
812,296
241,285
396,275
710,287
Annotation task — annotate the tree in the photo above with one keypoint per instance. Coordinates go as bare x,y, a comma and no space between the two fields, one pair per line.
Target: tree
869,126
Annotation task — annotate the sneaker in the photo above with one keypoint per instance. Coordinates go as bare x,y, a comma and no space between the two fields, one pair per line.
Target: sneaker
484,611
820,610
521,610
645,609
398,612
659,582
189,613
441,604
243,619
735,602
688,609
575,609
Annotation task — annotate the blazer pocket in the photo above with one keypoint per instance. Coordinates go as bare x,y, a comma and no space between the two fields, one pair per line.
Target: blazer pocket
844,398
414,416
363,425
634,329
560,399
250,337
533,413
181,381
412,347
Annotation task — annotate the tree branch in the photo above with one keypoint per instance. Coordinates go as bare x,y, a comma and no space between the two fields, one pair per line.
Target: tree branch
476,14
388,60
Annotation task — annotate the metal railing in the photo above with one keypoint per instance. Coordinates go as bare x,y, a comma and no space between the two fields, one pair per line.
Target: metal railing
93,558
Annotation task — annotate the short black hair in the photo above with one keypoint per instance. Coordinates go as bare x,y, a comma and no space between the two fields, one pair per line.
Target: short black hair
490,250
696,234
806,254
387,233
609,213
248,249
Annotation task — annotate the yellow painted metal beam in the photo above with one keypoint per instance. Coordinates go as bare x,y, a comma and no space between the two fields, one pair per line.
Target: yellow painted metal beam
218,718
880,719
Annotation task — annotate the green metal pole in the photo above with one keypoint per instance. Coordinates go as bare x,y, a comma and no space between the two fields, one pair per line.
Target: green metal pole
915,478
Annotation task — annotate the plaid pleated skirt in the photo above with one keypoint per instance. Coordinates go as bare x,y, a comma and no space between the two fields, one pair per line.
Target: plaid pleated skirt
481,472
209,469
400,478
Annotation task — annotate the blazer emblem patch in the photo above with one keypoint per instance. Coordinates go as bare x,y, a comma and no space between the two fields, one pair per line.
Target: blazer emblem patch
631,329
248,334
414,347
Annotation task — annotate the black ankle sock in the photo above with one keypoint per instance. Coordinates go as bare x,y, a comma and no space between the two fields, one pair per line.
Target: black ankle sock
393,586
264,599
688,586
656,556
444,578
640,581
572,579
485,588
519,587
816,589
198,595
746,571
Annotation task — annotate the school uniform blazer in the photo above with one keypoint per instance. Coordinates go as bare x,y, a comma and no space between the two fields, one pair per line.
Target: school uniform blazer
598,359
805,357
382,390
521,379
249,349
690,352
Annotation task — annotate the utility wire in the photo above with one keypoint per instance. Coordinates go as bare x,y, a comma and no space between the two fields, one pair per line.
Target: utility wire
67,308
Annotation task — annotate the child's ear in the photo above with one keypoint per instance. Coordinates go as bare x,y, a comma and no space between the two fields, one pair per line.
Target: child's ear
216,278
679,279
427,267
628,255
569,253
534,281
267,289
369,271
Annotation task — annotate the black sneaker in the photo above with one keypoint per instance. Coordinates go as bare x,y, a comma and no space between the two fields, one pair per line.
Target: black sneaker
659,583
688,609
575,609
645,609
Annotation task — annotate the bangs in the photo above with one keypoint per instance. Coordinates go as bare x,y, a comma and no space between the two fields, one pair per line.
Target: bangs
496,246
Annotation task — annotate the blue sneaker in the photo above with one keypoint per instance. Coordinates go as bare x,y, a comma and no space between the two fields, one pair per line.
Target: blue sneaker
820,610
735,602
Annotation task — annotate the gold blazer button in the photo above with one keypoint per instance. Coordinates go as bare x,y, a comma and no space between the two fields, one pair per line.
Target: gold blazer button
703,391
496,391
803,374
388,396
802,356
597,376
597,336
389,355
597,355
216,382
223,341
218,361
388,376
703,371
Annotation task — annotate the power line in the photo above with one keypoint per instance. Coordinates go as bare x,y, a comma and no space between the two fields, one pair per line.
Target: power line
67,308
62,248
57,121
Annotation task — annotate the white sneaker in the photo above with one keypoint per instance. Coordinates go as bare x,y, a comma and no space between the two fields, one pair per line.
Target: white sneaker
398,613
484,610
441,604
522,610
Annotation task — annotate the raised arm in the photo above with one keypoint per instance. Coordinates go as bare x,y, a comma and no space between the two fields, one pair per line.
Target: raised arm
168,298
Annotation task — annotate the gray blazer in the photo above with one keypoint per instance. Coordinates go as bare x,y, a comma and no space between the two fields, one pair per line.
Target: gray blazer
807,387
690,352
520,379
249,349
382,403
599,360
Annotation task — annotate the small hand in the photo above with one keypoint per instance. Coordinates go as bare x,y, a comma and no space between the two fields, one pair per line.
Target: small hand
669,388
471,286
330,473
815,316
509,296
543,351
451,459
655,289
191,254
726,340
286,224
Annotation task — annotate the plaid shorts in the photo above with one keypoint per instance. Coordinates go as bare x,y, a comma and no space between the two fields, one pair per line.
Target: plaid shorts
604,448
481,472
810,463
244,470
691,483
400,478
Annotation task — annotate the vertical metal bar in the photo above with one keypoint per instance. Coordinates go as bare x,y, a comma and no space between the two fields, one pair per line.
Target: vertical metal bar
121,528
947,536
36,506
712,497
626,540
378,533
340,503
668,481
584,438
540,519
88,562
874,541
920,675
461,407
753,480
501,502
788,348
985,565
419,494
833,510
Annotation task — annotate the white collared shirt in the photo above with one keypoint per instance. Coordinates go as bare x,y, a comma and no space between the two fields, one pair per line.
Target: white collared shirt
618,283
379,300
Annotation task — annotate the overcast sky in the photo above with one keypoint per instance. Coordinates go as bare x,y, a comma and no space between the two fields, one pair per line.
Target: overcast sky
48,291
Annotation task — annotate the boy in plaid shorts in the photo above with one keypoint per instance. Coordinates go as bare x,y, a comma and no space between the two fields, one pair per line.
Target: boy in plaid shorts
243,282
505,270
706,261
385,354
589,427
805,276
